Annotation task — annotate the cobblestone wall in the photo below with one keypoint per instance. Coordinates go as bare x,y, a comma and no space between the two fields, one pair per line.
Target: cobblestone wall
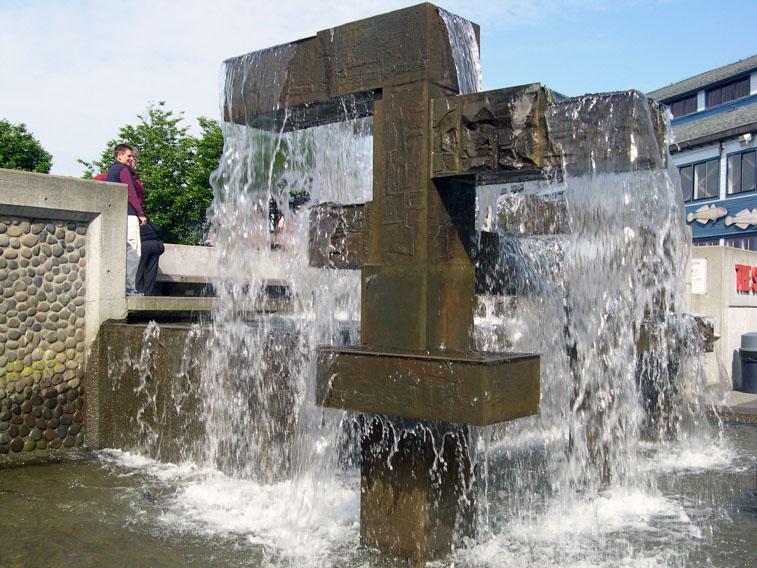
42,308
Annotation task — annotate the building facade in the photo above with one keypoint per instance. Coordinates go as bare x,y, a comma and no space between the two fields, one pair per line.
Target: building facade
715,145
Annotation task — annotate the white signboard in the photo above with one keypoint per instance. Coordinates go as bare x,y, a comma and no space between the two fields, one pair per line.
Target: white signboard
698,275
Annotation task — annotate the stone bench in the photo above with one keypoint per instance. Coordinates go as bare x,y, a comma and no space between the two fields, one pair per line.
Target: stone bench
187,264
185,287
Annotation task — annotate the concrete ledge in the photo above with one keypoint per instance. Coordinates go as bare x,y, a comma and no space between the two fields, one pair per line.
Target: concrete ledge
475,388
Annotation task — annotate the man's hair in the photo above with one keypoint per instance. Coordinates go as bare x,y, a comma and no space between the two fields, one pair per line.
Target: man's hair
120,149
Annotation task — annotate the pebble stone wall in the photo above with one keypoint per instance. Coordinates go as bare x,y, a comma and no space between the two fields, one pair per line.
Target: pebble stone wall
42,278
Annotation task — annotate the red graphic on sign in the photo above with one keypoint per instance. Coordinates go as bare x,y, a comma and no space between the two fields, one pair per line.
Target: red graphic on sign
743,278
754,279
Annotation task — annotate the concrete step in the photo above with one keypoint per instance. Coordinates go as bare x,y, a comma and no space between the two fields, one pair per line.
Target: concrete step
738,407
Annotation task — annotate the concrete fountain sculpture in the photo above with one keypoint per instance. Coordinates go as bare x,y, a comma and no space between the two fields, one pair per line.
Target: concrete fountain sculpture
417,248
583,264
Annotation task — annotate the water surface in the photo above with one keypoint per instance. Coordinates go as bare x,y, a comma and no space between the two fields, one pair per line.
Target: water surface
114,508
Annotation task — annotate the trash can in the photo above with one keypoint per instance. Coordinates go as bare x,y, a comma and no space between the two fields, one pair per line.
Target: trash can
748,355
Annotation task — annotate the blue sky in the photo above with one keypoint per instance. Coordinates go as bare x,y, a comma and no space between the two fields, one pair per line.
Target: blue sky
76,70
588,46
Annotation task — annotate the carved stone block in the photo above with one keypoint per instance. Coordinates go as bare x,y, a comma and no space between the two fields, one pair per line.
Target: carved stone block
608,133
310,77
337,236
494,132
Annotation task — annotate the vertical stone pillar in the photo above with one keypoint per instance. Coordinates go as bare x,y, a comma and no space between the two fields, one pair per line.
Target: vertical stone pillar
416,483
417,284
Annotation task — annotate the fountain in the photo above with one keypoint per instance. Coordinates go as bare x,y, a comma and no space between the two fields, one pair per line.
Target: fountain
423,390
415,360
450,327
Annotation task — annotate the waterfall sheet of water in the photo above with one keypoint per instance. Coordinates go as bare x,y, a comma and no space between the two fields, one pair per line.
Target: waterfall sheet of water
263,429
603,304
465,52
622,378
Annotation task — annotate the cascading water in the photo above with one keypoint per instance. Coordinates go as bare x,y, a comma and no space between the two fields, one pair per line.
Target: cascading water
602,304
621,364
266,359
462,38
261,421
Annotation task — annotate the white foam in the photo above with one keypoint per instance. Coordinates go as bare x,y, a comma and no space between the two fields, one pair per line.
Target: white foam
597,531
612,511
305,521
133,464
287,517
692,455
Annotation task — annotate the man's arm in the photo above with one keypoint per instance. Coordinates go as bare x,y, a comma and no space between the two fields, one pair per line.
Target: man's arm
125,177
140,191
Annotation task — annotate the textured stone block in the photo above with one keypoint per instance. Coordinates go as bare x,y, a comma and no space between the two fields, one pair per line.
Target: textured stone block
416,487
529,214
392,306
608,133
356,60
494,134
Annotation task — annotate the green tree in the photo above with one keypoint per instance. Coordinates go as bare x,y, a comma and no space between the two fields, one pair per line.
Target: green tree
20,150
199,195
174,167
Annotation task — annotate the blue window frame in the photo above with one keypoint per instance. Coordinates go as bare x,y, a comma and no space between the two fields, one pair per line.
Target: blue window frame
684,106
700,180
741,172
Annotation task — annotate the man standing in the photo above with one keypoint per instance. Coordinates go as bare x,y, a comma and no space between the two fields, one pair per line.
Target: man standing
122,171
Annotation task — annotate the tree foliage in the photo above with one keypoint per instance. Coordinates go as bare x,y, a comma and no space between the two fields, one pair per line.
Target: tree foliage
174,167
20,150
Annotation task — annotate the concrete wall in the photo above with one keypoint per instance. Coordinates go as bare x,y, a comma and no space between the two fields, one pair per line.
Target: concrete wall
102,208
145,393
62,271
734,313
143,390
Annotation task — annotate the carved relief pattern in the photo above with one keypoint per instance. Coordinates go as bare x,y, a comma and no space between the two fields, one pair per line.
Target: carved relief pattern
487,132
402,198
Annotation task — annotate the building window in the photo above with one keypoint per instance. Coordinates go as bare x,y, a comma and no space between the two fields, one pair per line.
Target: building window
700,180
706,242
726,93
741,172
687,182
747,243
685,106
